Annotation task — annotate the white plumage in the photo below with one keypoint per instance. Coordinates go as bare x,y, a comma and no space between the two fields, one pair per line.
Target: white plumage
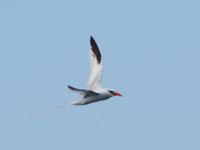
95,91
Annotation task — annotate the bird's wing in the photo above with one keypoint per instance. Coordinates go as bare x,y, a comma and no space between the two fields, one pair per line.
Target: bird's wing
94,82
80,91
83,93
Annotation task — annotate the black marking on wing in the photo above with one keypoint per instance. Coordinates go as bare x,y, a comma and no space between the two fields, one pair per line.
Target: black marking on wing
84,93
95,49
75,89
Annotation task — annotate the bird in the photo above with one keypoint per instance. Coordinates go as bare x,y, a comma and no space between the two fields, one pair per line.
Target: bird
95,91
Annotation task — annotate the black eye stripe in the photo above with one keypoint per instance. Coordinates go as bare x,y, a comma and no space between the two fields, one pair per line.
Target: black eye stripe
111,91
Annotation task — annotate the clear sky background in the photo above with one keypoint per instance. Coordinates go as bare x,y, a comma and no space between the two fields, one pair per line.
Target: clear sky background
151,52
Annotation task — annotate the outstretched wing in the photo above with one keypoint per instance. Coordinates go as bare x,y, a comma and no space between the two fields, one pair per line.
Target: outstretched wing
94,82
83,93
80,91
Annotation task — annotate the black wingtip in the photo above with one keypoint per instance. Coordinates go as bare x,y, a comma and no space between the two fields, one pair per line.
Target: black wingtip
95,49
72,88
92,40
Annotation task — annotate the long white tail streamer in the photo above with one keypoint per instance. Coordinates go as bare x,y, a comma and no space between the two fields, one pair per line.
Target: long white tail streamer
55,108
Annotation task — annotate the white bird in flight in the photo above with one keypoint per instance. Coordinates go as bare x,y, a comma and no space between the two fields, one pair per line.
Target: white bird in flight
95,92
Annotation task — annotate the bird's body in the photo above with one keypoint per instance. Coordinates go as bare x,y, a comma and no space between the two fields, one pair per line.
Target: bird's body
95,91
89,96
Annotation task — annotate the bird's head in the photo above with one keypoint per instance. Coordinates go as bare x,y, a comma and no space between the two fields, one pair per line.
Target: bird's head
114,93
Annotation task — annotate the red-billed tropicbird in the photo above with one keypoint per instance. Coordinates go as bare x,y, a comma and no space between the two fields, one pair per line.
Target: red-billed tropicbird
95,91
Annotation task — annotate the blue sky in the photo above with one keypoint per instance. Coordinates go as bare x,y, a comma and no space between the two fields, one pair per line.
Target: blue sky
151,55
